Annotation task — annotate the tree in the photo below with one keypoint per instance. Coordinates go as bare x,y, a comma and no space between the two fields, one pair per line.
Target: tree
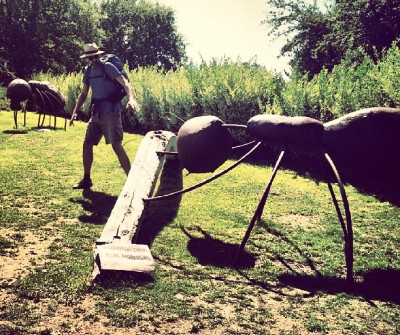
48,35
142,34
320,38
45,35
368,25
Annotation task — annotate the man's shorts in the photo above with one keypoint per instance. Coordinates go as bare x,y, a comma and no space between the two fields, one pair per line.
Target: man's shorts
107,124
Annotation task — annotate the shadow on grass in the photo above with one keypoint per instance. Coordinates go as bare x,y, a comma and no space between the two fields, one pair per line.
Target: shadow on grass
108,279
211,251
99,204
15,132
376,284
160,213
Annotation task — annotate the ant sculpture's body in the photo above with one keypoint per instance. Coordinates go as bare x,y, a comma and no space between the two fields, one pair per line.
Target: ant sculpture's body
364,144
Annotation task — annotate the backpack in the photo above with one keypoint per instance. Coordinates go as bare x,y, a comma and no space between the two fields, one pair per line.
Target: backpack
119,93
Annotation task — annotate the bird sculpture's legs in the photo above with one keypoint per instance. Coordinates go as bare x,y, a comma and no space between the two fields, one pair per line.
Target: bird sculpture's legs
24,110
38,123
260,207
42,124
15,119
41,108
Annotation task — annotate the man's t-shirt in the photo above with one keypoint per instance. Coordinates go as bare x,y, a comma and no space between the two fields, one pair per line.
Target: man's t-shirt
102,87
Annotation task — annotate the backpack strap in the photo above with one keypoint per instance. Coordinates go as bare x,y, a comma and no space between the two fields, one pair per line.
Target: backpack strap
103,75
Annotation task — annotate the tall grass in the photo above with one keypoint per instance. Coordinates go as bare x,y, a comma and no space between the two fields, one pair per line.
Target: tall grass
349,87
236,91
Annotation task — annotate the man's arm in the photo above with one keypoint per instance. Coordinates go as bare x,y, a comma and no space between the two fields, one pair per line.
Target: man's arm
128,89
79,103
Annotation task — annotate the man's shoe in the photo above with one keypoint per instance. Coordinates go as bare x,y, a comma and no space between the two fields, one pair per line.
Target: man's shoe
83,184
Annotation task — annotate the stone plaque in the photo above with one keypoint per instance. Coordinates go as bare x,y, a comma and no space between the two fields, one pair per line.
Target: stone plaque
126,257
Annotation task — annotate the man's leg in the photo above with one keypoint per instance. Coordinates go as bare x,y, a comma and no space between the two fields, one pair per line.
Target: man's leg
87,158
122,156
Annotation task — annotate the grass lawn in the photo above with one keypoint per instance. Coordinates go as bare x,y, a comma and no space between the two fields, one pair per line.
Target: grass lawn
290,278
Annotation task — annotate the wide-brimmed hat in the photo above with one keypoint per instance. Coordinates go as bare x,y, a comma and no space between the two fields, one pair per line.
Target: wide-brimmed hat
91,49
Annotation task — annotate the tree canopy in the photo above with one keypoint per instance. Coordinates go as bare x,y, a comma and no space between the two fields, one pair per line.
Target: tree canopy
142,33
45,35
320,38
48,35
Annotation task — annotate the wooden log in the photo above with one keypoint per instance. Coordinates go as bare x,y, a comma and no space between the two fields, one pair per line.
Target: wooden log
127,214
114,250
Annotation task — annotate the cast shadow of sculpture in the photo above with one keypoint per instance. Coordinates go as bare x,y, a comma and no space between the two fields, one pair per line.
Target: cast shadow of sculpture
99,205
373,284
211,251
15,132
159,215
122,279
207,250
376,284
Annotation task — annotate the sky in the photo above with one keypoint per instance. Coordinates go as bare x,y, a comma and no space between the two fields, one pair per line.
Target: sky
227,28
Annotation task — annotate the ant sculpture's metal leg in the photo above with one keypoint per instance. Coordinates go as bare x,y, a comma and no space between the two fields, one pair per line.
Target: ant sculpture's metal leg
260,207
191,188
40,104
345,224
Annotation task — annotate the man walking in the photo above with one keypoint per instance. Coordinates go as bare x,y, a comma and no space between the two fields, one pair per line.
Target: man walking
105,118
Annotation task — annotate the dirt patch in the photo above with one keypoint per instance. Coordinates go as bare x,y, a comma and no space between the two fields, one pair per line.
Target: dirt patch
30,251
295,220
84,318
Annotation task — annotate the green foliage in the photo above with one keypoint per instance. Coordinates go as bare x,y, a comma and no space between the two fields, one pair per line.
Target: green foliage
347,88
142,33
387,76
44,35
4,102
320,38
230,90
48,36
233,91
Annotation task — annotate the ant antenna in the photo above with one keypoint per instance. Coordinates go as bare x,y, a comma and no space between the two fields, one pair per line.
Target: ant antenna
183,121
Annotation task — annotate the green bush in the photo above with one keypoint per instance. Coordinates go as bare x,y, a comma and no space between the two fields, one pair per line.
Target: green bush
349,87
4,102
387,77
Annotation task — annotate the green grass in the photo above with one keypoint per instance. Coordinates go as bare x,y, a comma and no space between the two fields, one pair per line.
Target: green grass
291,276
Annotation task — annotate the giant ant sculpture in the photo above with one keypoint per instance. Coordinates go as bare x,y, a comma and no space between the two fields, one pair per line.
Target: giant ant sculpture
364,144
45,96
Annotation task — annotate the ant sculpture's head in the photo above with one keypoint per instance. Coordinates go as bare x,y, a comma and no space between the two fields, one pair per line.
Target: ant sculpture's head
203,144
